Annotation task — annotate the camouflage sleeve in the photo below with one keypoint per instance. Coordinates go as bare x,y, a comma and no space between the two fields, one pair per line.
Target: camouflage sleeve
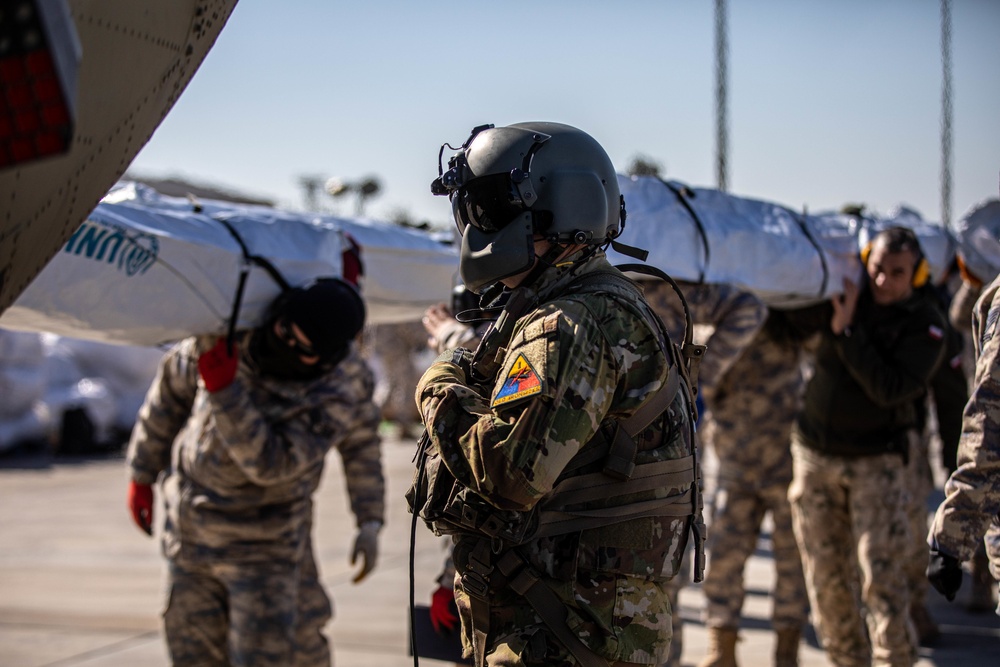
456,335
734,314
163,413
511,449
904,374
962,304
360,449
950,393
972,493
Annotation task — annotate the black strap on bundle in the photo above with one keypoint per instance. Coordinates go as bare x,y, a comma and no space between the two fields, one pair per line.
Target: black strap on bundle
683,194
248,260
801,220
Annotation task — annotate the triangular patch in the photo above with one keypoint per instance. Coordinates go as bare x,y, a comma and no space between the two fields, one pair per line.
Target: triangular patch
522,381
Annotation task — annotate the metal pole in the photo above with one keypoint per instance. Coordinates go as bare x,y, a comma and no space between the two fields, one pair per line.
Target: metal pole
946,112
721,121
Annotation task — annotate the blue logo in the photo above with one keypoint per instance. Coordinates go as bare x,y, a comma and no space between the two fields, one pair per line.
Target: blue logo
132,252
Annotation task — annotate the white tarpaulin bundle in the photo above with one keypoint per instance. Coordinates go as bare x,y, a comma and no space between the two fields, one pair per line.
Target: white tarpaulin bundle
44,377
144,269
978,234
786,258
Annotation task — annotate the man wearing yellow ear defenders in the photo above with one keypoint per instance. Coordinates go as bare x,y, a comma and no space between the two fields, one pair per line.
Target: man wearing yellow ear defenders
850,446
894,281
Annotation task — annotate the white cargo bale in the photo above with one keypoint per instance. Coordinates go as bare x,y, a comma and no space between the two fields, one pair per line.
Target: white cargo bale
126,370
785,257
22,376
978,233
146,269
31,426
68,388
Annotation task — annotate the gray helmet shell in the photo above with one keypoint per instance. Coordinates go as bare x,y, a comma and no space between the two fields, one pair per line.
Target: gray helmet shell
566,174
510,185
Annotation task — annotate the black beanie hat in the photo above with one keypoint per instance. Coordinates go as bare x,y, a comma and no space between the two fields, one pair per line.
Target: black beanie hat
330,312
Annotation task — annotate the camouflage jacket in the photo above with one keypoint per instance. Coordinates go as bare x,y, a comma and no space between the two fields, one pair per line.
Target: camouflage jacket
239,466
753,409
972,493
734,315
573,360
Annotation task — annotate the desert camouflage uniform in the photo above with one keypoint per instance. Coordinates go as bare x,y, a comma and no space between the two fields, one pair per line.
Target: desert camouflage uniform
947,396
972,504
396,346
455,335
577,358
849,490
960,315
735,317
751,420
239,468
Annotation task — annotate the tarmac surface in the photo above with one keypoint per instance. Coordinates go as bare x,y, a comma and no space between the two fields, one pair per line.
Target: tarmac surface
80,585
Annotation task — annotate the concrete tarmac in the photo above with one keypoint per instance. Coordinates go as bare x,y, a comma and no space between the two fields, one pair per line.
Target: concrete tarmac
80,585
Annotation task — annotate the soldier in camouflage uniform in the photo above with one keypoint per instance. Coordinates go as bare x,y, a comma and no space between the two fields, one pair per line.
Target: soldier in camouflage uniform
971,508
734,317
395,347
576,348
850,445
947,396
983,584
445,332
753,408
238,437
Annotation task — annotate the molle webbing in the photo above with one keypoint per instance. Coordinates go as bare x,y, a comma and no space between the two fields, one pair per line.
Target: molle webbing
555,517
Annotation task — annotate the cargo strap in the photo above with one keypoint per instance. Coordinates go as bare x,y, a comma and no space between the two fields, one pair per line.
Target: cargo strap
248,259
683,193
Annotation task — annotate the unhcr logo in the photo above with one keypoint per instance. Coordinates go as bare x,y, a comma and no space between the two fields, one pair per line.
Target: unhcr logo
133,253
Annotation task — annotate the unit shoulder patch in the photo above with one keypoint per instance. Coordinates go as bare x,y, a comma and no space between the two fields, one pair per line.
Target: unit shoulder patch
522,381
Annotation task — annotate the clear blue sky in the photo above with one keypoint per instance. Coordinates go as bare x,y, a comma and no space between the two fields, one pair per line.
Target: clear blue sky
829,102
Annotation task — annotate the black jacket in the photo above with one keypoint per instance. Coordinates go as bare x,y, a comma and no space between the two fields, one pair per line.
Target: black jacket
860,400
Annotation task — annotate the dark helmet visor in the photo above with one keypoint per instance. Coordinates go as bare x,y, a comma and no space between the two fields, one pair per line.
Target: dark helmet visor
488,203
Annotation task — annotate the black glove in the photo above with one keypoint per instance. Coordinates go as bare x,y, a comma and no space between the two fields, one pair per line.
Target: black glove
945,574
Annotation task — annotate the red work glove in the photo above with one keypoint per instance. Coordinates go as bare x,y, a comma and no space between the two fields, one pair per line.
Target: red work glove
218,366
443,616
140,504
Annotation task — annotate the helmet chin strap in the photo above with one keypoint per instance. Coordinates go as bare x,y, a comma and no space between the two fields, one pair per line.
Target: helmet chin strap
550,258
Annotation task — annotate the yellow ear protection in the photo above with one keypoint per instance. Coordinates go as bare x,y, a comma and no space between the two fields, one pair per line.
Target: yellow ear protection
921,272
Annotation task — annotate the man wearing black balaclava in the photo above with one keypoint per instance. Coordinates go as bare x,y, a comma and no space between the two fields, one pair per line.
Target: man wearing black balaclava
237,435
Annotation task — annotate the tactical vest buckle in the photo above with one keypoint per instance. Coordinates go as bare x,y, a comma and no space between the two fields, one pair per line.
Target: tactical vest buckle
475,585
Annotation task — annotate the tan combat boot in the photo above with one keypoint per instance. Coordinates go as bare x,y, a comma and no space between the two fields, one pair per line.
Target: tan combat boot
786,650
721,648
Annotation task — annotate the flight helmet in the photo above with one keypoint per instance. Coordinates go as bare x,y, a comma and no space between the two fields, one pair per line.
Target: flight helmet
510,185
